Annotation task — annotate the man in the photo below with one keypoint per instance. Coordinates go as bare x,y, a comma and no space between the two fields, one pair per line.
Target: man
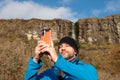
67,66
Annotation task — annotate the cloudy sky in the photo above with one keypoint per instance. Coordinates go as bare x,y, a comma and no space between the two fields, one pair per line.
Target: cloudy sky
65,9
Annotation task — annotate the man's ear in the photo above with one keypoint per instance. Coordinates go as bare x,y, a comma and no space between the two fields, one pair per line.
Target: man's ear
75,52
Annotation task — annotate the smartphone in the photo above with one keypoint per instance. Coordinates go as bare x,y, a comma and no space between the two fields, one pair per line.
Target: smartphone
45,35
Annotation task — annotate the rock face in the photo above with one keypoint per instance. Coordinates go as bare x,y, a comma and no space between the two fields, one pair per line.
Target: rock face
32,27
89,30
99,30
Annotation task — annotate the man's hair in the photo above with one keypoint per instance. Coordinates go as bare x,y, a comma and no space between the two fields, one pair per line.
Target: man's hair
70,41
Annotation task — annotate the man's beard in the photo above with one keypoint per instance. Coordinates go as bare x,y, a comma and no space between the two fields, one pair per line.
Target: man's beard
66,55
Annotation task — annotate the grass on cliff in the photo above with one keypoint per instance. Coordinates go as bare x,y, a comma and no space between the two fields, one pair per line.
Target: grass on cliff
105,57
15,54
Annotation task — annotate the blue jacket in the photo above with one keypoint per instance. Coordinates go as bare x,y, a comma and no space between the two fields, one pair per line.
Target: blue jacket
75,70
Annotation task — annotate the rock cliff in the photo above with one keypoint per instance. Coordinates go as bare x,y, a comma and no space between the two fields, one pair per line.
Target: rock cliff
31,28
88,30
98,30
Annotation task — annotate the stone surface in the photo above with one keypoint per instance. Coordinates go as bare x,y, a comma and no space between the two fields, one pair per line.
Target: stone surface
99,30
87,30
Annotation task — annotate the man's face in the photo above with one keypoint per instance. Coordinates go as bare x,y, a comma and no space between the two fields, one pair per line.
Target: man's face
67,51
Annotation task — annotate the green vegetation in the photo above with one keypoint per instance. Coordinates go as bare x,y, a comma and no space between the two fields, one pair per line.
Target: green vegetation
15,51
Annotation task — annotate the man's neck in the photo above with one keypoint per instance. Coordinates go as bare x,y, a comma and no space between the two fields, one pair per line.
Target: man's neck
71,59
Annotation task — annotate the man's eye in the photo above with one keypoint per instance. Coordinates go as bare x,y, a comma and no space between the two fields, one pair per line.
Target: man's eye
67,45
60,46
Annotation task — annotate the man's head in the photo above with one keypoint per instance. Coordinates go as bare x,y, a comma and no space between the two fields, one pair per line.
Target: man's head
68,47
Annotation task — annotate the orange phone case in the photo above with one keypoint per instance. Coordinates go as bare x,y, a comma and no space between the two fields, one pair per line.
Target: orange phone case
46,37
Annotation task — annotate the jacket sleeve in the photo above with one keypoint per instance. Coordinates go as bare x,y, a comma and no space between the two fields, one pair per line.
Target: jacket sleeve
79,72
32,70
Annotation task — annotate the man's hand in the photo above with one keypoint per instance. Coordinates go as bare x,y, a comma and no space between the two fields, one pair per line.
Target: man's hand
38,49
43,48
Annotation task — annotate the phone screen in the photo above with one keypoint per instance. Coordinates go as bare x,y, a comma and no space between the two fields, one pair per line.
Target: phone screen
45,35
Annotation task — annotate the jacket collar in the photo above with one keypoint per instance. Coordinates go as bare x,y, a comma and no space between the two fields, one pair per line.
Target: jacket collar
77,61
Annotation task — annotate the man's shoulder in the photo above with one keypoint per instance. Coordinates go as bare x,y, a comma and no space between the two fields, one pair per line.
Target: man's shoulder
87,65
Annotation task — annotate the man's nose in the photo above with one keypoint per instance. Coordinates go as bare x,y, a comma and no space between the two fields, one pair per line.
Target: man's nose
63,48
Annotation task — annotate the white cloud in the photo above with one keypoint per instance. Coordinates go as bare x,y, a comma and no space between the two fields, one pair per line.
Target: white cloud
96,13
112,6
27,9
65,2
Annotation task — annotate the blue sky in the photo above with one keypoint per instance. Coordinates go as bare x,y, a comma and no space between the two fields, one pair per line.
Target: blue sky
64,9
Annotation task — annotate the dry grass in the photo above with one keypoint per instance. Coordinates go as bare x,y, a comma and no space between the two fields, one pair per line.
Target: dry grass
105,57
15,54
13,59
